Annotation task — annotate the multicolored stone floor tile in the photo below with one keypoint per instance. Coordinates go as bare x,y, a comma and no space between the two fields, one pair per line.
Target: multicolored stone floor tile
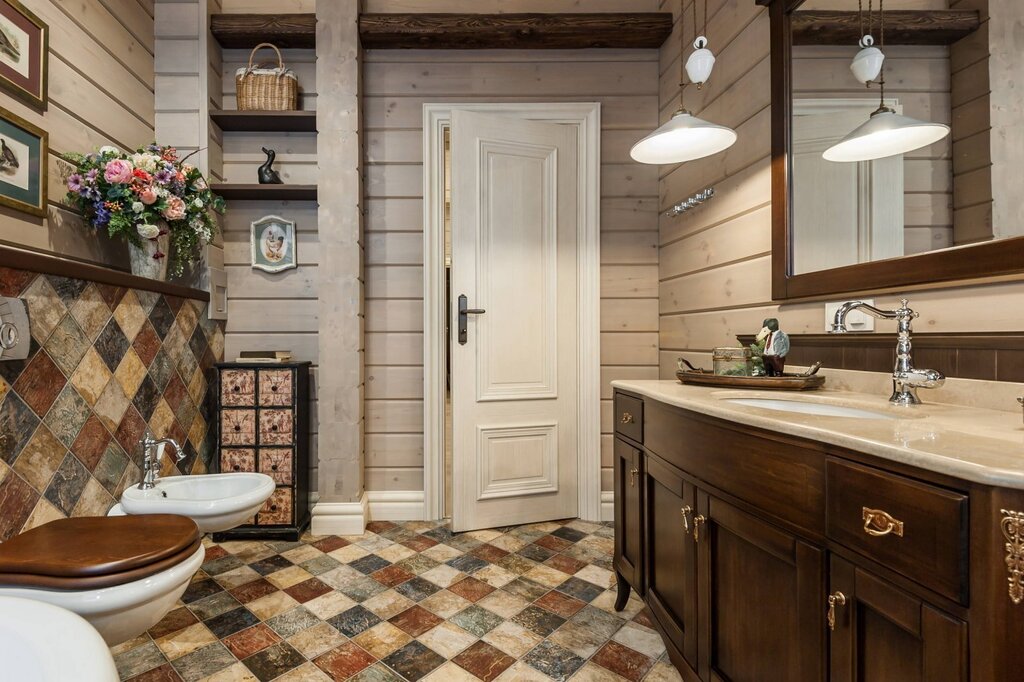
406,602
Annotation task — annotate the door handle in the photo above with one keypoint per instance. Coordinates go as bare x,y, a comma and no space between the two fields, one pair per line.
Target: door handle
464,313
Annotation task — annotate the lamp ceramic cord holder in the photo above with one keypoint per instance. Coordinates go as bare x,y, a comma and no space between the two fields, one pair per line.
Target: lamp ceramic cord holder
867,64
700,63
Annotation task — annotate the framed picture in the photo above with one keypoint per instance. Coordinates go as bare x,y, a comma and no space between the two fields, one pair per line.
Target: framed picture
273,244
23,164
24,48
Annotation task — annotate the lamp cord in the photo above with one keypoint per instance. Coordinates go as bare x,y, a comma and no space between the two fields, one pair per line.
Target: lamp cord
682,46
881,41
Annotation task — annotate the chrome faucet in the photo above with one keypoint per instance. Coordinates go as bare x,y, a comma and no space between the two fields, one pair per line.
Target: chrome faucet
906,379
151,459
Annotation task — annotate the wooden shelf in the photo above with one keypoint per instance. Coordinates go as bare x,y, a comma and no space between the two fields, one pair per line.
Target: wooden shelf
514,31
902,27
246,31
265,121
550,31
256,192
49,264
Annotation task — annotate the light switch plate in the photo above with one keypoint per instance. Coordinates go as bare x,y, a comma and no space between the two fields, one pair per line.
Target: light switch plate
856,321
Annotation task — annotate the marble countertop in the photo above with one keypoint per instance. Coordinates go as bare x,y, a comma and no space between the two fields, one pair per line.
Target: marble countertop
980,445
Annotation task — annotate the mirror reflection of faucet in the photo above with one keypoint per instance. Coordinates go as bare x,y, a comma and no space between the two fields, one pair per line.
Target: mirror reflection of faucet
906,378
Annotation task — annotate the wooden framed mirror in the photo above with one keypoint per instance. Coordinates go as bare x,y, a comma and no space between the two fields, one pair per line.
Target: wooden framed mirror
953,211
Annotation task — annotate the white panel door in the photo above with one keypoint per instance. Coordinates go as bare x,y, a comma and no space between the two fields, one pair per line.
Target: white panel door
514,225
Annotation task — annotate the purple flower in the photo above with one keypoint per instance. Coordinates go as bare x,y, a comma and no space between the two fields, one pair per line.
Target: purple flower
163,176
91,176
102,214
75,182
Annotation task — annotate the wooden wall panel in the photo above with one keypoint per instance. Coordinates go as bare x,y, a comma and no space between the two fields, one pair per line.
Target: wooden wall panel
101,85
268,311
397,85
713,263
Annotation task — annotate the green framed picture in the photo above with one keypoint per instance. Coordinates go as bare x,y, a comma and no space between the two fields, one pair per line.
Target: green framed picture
23,159
273,244
24,53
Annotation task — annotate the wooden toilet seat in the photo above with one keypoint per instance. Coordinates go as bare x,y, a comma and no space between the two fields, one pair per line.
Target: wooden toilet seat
94,552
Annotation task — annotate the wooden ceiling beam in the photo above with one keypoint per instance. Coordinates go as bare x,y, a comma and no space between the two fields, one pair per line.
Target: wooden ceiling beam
902,27
514,31
245,31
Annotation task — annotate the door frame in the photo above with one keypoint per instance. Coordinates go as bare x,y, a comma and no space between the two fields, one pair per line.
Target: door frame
586,117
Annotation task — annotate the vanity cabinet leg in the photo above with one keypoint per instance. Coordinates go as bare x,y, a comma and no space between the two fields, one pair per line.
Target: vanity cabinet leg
623,591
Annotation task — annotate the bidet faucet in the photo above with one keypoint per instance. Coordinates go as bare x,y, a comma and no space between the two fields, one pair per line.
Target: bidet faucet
906,379
151,459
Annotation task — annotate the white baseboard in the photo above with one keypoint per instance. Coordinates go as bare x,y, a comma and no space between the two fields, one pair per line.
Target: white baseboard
340,518
607,505
395,505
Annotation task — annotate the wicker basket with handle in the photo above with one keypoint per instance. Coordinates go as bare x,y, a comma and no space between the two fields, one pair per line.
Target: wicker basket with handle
259,88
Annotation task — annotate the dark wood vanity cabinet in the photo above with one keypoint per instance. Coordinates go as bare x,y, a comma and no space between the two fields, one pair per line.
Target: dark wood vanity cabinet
629,481
884,633
766,557
759,598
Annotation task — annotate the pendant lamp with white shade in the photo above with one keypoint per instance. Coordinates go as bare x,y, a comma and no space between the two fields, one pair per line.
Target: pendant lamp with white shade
685,137
886,133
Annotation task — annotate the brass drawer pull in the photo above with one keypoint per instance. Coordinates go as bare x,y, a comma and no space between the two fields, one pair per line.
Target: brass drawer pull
698,521
834,599
686,511
878,523
627,418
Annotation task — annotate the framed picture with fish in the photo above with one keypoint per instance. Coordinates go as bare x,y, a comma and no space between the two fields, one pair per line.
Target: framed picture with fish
23,158
273,244
24,49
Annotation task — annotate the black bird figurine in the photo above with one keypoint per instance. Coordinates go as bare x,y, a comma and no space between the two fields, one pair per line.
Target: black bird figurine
269,176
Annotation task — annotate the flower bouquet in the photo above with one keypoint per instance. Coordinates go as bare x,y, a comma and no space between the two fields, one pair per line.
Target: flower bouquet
150,198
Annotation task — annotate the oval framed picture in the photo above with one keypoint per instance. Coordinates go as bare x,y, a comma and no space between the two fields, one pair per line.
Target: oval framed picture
273,244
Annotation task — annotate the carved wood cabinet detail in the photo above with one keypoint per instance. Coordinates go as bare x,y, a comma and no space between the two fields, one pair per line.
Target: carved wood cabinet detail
756,551
264,427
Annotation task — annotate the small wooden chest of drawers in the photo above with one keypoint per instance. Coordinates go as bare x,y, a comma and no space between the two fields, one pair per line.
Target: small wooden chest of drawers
263,419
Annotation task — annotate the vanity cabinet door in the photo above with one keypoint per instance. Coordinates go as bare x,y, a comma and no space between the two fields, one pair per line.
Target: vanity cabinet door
882,633
671,557
761,595
628,525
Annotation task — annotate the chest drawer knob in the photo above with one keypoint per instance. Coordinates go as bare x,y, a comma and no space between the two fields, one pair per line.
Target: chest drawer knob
237,468
274,427
273,389
237,427
273,467
627,418
878,523
236,389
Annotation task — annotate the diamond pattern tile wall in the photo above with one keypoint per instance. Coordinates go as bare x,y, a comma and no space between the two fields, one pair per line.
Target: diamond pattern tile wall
106,364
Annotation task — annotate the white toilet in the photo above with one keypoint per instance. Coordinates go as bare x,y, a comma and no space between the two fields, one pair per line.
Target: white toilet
121,574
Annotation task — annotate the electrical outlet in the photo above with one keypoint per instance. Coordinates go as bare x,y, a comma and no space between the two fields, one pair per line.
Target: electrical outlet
856,321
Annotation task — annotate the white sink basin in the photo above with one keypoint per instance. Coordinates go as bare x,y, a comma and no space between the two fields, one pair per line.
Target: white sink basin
807,407
45,643
215,502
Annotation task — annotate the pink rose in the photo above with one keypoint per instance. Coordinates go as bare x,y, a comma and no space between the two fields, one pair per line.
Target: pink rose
148,195
175,209
119,171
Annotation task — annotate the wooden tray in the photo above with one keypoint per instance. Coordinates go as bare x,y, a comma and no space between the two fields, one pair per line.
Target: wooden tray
788,382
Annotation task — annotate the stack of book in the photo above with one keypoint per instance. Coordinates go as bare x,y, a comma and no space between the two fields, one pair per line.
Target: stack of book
269,356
